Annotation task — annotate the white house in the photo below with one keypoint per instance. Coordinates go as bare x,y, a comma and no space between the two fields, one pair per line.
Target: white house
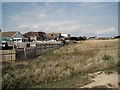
13,36
65,35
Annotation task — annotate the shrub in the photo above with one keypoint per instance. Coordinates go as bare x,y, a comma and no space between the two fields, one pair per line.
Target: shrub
106,57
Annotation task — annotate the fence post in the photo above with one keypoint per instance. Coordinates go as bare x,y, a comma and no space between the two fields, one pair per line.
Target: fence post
16,52
25,53
11,55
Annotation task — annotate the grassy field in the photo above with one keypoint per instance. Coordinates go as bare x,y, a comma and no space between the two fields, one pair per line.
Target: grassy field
65,67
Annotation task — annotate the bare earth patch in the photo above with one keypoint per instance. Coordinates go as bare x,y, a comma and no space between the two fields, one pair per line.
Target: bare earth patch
103,79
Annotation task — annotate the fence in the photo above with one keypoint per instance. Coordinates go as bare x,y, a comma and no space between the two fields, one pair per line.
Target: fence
28,53
8,55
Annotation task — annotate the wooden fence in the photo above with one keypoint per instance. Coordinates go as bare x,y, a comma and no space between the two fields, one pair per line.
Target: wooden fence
27,53
7,55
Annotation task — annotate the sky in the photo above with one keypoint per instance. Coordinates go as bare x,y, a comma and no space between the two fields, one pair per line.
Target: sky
0,15
61,0
74,18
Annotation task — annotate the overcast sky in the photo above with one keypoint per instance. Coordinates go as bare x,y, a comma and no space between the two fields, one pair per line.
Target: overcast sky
75,18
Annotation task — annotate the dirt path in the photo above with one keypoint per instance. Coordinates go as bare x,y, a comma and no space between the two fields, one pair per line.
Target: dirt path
103,79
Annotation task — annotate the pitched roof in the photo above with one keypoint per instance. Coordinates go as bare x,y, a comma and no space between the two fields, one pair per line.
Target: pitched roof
52,35
28,34
8,34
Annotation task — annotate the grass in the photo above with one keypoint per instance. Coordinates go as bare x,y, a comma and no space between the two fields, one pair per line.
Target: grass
67,66
75,81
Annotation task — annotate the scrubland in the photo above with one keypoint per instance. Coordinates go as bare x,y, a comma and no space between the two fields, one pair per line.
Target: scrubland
68,66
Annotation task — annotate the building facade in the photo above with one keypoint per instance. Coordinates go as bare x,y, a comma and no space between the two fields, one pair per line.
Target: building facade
14,36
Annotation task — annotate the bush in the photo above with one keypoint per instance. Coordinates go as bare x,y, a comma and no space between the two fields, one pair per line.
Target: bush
107,57
74,38
82,38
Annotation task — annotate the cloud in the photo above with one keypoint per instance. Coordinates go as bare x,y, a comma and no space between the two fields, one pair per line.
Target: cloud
70,27
42,15
15,17
23,26
79,19
51,26
106,31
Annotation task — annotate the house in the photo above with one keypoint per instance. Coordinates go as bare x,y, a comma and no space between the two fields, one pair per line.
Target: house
65,38
53,36
92,38
35,36
42,35
12,36
65,35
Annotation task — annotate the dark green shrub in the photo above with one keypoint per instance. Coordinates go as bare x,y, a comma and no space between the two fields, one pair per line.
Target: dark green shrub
107,57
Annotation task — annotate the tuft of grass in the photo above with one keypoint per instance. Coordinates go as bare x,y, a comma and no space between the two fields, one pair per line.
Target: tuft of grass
106,57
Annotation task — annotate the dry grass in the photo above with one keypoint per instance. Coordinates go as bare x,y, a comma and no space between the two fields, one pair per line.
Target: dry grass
62,64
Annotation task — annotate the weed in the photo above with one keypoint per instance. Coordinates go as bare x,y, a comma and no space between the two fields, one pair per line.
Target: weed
106,57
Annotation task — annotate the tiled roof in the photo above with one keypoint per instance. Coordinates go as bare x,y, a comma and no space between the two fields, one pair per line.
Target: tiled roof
28,34
52,35
8,34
